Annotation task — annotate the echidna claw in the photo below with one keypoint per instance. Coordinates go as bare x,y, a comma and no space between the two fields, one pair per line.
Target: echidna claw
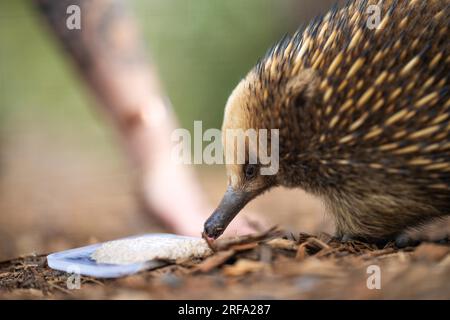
404,240
347,238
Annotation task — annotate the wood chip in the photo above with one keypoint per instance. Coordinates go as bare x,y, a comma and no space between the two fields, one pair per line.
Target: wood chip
213,261
226,243
377,253
318,243
285,244
301,252
243,266
244,247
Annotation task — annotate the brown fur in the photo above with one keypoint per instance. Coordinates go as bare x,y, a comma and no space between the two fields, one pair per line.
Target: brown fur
364,115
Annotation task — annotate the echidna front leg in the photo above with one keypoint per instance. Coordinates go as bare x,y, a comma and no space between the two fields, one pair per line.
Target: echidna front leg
402,240
347,231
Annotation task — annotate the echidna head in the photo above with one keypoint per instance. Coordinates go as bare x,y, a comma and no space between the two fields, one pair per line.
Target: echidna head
253,110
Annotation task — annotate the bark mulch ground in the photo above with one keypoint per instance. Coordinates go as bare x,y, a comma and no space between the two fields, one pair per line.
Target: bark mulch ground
267,265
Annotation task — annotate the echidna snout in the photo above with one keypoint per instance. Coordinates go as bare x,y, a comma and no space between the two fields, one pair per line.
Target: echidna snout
232,202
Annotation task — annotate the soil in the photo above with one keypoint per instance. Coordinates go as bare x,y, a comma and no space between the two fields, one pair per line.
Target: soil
269,265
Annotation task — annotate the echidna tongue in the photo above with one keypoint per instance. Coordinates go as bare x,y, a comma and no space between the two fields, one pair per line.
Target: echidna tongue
232,202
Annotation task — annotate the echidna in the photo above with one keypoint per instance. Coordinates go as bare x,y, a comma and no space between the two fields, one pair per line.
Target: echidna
363,116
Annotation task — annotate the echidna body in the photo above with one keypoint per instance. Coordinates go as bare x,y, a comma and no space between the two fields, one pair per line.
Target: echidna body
363,117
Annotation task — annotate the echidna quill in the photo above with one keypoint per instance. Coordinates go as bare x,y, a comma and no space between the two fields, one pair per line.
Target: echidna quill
363,117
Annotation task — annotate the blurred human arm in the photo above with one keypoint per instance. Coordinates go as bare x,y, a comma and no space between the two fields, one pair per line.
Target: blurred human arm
110,55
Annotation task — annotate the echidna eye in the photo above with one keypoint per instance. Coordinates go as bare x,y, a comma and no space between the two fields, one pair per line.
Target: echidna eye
250,171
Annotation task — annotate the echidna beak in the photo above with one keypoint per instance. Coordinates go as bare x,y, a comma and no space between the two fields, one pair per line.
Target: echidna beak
232,202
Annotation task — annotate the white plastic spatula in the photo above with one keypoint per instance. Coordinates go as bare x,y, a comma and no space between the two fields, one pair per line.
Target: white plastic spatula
128,255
